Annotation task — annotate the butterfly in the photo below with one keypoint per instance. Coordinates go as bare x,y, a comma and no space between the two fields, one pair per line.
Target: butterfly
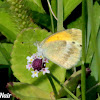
63,48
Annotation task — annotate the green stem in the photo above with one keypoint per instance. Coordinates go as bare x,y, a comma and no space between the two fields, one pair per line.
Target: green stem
52,84
84,49
13,98
64,87
60,15
52,22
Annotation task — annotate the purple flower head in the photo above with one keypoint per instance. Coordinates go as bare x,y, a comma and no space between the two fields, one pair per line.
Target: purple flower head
38,63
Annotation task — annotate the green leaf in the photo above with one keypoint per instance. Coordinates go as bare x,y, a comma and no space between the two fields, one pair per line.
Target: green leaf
69,6
5,51
35,5
7,33
1,2
19,61
76,24
42,19
7,26
54,6
90,82
12,21
21,14
72,82
26,91
93,79
98,98
78,91
94,69
96,15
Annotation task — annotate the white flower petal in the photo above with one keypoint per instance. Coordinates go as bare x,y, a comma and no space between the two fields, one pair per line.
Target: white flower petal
45,70
30,59
45,60
35,73
27,57
28,66
34,56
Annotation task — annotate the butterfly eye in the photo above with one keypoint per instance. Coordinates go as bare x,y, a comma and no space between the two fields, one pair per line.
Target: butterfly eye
73,42
22,42
80,45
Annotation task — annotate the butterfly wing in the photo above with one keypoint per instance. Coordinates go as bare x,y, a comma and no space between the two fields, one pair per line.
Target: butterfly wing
63,48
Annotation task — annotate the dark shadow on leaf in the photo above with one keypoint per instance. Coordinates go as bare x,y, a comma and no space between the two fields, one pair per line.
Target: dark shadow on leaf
42,20
42,78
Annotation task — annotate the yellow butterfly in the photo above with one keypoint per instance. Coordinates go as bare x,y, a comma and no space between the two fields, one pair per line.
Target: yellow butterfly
63,48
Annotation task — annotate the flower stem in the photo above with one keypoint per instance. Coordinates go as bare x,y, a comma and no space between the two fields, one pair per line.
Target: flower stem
52,84
60,15
69,92
84,49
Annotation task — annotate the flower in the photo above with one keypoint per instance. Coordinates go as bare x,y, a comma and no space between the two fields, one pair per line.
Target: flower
38,63
45,60
34,56
35,73
45,70
28,66
30,59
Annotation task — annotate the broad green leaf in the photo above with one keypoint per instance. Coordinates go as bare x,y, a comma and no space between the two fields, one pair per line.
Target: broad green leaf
31,8
19,61
20,14
26,91
42,19
5,51
72,82
7,33
7,26
12,21
69,6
